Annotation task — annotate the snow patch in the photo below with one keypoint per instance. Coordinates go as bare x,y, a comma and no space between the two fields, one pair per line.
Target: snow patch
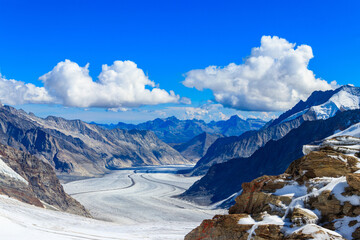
353,131
342,226
339,188
294,190
9,172
313,230
267,220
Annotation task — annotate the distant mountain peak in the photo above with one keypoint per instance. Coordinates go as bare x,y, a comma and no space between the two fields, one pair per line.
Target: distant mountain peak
324,104
235,117
175,131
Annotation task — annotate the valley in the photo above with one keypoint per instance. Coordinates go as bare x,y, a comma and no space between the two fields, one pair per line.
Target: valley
135,203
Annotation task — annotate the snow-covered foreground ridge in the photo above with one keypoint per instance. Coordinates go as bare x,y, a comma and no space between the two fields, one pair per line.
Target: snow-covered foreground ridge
135,204
318,197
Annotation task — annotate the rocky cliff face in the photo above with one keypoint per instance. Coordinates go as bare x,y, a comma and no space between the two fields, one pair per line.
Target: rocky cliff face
77,148
225,179
318,197
197,146
30,180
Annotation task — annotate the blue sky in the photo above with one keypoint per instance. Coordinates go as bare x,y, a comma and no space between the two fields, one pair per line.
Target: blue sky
167,40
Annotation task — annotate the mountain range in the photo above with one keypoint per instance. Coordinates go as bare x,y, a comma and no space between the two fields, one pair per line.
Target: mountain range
174,131
317,197
278,150
312,148
78,148
320,105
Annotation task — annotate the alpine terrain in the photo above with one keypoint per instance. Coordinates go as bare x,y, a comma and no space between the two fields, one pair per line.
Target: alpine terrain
78,148
317,197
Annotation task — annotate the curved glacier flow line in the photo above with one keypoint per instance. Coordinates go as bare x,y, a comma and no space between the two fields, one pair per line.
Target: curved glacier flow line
108,190
167,184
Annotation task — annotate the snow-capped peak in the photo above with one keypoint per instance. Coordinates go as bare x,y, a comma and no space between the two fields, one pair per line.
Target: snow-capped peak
342,99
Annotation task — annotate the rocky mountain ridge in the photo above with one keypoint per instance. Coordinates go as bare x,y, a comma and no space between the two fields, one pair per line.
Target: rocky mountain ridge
173,130
320,105
78,148
225,179
318,197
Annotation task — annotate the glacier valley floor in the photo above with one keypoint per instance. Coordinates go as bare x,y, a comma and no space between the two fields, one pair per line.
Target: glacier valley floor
132,204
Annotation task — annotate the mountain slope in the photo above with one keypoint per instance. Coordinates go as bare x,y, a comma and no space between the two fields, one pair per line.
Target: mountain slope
320,105
77,148
173,130
195,148
30,180
244,145
225,179
316,198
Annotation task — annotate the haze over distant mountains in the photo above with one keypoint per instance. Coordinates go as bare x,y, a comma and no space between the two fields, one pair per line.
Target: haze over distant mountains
173,130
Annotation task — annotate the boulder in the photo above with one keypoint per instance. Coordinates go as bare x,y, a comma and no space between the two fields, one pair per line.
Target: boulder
313,231
301,216
325,163
353,179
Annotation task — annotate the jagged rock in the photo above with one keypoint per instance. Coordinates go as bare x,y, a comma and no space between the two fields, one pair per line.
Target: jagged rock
221,227
226,227
313,190
353,179
301,216
319,164
313,231
256,198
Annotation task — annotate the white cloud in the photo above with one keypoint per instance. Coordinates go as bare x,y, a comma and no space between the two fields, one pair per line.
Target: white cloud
119,109
207,112
16,92
120,85
185,101
273,78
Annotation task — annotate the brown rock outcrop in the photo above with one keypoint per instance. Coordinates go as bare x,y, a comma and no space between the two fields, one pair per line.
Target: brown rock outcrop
226,227
353,179
302,217
306,181
325,163
313,231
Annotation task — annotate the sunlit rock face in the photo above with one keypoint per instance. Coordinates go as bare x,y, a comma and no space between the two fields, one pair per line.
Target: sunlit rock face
318,197
225,179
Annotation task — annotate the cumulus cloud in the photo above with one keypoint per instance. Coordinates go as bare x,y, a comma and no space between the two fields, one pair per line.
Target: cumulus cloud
16,92
273,78
120,85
